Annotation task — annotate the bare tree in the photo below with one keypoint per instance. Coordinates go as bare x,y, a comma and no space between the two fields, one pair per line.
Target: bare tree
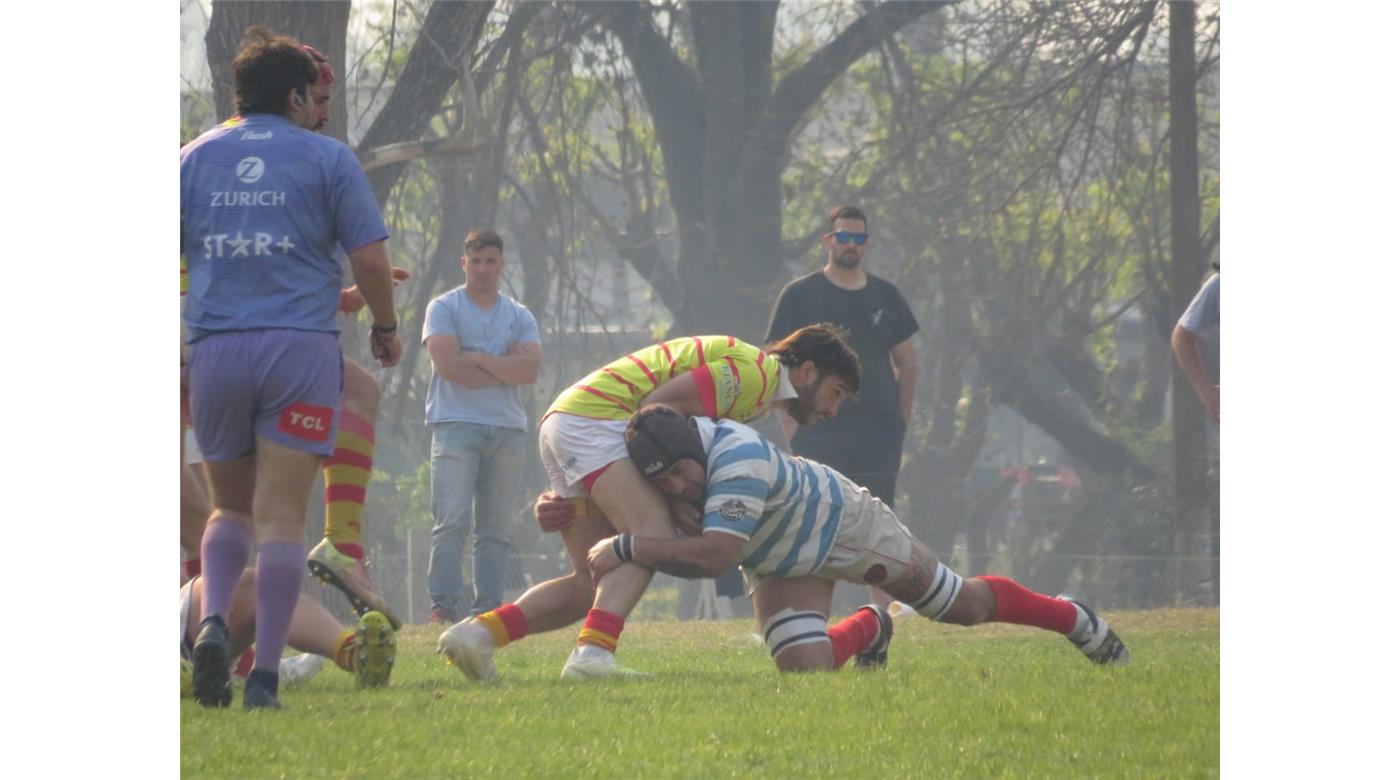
724,125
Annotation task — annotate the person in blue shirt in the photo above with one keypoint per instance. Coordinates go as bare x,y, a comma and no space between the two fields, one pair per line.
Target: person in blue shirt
1200,318
795,527
264,202
484,346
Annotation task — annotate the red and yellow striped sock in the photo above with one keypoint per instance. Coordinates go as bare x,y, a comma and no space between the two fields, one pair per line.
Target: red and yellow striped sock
345,650
602,629
506,624
347,473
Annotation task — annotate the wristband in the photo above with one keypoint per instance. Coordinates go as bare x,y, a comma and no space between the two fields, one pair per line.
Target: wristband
622,547
384,330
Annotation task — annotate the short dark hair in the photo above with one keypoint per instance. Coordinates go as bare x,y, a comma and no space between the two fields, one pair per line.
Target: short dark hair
825,345
481,238
266,69
845,212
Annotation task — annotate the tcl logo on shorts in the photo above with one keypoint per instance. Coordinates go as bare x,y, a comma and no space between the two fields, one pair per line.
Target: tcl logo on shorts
304,421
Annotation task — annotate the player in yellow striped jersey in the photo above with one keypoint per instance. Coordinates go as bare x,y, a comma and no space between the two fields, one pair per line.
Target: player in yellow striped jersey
596,491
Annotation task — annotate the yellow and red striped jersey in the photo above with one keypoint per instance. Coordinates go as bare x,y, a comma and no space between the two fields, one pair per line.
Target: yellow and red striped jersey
737,381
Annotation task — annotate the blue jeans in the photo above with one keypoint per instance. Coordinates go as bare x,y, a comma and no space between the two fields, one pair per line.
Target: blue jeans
481,464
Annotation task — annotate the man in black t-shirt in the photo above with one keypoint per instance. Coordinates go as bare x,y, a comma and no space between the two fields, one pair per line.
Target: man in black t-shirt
866,439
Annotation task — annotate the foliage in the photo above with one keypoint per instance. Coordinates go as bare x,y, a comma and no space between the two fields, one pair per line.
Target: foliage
1011,154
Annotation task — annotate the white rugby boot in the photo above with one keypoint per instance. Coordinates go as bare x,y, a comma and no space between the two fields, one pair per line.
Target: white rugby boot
470,646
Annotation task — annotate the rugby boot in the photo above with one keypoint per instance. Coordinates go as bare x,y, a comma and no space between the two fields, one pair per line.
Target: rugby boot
469,646
260,692
349,576
373,658
211,662
585,663
878,654
1102,645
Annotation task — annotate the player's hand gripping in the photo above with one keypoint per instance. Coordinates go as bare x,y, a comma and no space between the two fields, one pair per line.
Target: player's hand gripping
602,558
554,513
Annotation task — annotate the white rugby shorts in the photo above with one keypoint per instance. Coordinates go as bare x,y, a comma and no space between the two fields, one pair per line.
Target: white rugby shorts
871,546
572,447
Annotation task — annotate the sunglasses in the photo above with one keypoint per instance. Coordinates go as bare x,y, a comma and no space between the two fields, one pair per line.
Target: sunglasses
847,237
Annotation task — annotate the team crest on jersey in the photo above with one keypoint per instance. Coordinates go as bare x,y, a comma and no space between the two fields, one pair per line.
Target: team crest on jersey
732,510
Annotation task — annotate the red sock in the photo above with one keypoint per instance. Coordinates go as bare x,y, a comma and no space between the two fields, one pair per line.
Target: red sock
507,624
1018,604
245,663
517,626
356,551
852,635
602,629
191,566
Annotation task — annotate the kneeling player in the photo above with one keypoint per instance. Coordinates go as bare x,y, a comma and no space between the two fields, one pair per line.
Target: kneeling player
367,650
796,527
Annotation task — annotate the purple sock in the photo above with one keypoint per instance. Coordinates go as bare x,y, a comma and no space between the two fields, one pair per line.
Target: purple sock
281,568
224,552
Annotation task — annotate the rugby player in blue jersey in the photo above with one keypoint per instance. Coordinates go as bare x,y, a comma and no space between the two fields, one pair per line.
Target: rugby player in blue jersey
263,204
796,527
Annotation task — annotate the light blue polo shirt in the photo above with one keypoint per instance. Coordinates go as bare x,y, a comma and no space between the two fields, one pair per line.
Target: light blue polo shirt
492,332
1204,311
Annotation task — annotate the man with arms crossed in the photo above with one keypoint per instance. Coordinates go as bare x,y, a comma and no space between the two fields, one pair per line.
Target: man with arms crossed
263,204
796,527
483,346
807,374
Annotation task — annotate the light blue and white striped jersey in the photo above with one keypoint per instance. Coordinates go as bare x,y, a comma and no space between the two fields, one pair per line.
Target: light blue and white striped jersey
788,508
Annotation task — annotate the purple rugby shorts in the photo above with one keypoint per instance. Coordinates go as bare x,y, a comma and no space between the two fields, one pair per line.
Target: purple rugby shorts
282,385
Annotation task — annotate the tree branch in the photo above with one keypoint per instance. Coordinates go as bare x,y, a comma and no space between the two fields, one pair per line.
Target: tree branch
449,32
802,88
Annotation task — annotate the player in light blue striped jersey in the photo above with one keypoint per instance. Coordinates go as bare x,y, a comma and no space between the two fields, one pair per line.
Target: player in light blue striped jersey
796,527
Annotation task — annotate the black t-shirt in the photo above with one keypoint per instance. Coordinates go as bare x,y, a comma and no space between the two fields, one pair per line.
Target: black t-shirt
877,317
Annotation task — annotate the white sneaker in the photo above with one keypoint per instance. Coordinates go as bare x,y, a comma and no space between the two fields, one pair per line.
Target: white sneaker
299,668
469,647
594,661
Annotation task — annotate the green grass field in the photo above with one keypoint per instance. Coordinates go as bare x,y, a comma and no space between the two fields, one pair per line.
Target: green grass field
991,701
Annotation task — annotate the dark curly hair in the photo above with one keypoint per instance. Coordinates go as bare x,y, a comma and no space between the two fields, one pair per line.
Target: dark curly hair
825,345
266,69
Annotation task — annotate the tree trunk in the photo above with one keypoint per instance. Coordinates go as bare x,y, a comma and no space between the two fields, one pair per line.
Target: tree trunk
433,65
320,24
725,130
1188,417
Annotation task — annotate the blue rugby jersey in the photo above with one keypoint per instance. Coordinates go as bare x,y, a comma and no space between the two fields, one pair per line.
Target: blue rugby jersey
263,206
788,508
